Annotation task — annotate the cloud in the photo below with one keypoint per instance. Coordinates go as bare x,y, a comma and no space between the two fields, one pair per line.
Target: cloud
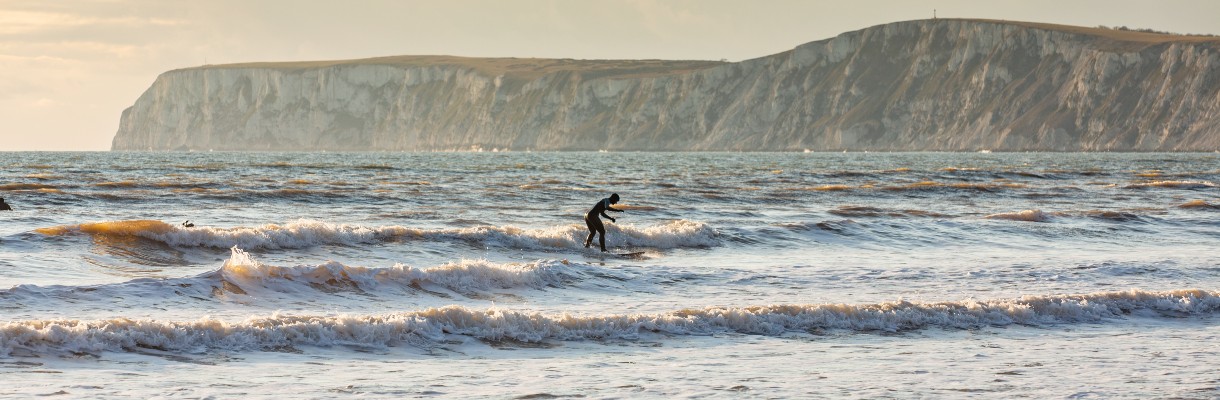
12,60
14,22
63,52
668,19
43,103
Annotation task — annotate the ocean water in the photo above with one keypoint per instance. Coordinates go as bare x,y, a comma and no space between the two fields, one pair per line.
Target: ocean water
317,275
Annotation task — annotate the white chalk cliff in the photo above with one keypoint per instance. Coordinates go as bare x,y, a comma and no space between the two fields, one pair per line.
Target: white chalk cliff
954,85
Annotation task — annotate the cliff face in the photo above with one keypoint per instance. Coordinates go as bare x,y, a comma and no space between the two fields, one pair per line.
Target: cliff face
954,85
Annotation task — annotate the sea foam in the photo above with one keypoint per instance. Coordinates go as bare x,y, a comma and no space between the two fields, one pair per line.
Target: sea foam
1027,215
310,233
431,326
244,276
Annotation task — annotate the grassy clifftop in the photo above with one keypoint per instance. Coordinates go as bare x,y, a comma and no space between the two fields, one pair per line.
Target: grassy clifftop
528,68
524,68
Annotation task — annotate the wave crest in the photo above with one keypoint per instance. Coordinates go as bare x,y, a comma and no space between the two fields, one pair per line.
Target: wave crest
242,279
1173,185
310,233
242,274
433,325
1027,215
1199,205
869,211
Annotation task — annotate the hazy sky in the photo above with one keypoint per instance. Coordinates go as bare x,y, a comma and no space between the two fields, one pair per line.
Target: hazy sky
68,68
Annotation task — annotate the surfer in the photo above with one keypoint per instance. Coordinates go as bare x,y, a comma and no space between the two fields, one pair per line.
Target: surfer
595,223
4,206
188,224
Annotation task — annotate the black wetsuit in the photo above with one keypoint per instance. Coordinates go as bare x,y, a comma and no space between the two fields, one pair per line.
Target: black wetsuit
4,206
595,223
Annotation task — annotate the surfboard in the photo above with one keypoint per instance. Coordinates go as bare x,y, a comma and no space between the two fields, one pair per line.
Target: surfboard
636,255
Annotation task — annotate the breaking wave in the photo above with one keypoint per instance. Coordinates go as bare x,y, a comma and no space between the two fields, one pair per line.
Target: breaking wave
310,233
431,327
1027,215
241,274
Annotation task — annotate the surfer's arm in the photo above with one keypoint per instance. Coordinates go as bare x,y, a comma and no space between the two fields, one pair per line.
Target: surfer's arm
607,216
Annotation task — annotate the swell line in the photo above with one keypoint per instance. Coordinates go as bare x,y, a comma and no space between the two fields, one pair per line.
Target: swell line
437,324
310,233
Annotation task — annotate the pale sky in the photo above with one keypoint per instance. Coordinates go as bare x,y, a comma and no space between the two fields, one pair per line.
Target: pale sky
68,68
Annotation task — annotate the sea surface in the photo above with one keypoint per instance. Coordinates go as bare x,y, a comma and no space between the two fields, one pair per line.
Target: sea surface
776,275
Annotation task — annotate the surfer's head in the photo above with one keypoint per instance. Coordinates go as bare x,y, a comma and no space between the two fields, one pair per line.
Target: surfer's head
614,198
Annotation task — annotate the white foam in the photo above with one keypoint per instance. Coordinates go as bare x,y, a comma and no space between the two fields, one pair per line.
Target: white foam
309,233
466,276
299,234
242,275
1026,215
675,234
495,324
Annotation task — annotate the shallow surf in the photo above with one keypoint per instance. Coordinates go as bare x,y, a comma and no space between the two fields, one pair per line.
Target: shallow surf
389,275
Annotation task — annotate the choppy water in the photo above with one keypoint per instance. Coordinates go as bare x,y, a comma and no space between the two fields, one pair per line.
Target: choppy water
769,275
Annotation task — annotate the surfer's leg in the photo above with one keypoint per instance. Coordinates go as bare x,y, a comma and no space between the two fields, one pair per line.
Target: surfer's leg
602,239
595,227
592,223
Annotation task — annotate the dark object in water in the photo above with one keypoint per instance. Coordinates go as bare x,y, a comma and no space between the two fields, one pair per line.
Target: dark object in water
4,206
188,224
595,224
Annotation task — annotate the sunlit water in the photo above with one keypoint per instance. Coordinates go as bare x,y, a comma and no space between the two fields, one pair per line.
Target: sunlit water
463,274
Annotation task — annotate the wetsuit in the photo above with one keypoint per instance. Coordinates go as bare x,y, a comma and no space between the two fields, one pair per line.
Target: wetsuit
595,223
4,206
